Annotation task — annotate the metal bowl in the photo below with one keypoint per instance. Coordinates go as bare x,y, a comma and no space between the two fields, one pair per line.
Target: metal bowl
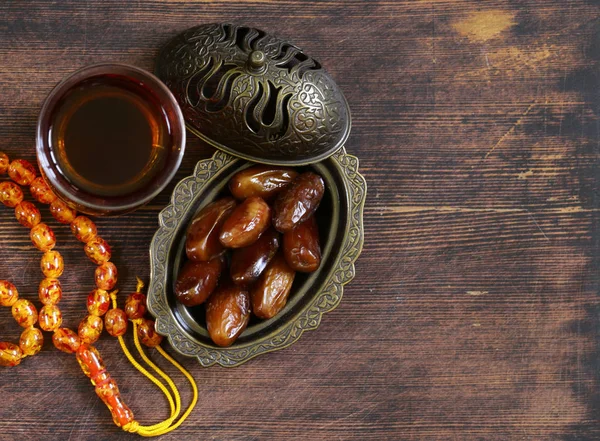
340,219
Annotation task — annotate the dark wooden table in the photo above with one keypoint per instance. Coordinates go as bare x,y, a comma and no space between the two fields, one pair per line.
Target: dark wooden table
475,311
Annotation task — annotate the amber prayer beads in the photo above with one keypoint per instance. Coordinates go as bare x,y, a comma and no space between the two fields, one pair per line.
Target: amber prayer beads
49,318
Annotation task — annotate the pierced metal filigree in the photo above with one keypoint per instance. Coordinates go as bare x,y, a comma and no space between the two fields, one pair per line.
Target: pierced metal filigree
254,95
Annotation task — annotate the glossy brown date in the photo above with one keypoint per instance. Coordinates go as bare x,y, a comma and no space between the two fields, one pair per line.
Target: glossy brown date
202,241
248,263
246,223
261,180
197,280
301,247
270,294
227,313
298,202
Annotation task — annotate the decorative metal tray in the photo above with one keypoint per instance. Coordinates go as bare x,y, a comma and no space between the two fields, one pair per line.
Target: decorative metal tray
312,295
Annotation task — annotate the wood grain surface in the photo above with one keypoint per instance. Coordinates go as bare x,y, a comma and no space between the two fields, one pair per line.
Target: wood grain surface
475,311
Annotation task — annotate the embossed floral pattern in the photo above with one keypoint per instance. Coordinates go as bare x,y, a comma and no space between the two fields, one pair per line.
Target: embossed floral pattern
311,117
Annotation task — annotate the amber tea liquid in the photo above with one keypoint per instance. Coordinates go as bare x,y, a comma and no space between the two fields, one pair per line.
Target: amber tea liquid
110,135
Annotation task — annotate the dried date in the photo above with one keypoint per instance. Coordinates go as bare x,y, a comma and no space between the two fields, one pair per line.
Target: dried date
246,223
197,280
202,239
270,294
301,247
227,313
298,202
248,263
261,180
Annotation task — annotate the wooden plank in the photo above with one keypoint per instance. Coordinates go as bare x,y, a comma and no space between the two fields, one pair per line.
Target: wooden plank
474,313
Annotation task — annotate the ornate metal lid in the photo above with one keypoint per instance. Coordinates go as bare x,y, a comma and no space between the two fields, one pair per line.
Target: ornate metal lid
253,95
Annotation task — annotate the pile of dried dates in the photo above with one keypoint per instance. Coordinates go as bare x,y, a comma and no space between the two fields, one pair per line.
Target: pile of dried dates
266,201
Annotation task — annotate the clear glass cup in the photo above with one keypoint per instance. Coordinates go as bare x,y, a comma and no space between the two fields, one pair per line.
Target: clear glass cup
88,197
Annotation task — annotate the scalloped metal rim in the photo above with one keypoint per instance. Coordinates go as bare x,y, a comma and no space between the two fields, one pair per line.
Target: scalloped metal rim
308,319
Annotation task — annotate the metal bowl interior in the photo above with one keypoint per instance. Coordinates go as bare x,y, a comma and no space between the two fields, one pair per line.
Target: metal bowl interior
340,225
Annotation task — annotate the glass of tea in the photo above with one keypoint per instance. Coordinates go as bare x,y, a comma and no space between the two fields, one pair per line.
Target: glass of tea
109,138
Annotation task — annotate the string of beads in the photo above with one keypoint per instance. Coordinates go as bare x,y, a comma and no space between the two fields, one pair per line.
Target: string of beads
49,318
22,173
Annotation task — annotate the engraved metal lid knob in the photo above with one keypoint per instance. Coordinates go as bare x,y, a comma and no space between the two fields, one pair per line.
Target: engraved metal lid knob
254,95
257,61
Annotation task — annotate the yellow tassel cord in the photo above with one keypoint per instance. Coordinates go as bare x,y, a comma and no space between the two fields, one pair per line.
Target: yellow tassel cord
140,285
167,425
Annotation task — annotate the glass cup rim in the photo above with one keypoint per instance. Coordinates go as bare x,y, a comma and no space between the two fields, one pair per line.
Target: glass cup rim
98,205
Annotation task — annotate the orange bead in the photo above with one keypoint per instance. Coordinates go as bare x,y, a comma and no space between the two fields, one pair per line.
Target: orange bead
109,394
41,192
31,341
116,322
101,377
62,212
66,340
90,329
147,334
90,361
106,276
83,229
50,291
50,318
27,214
98,302
10,194
10,354
135,306
42,237
21,171
4,161
8,293
24,313
97,250
52,264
